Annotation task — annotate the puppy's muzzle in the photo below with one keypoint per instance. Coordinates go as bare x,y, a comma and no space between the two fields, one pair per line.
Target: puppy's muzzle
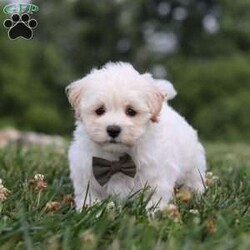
113,130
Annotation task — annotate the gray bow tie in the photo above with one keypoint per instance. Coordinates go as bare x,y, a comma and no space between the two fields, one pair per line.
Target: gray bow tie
104,169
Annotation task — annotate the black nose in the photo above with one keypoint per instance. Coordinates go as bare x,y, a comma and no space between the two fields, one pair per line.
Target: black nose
113,130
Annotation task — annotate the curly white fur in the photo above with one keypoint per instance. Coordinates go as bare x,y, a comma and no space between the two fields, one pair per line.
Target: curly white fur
164,147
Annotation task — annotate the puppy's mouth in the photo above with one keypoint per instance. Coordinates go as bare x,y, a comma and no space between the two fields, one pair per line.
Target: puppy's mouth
116,142
115,146
113,141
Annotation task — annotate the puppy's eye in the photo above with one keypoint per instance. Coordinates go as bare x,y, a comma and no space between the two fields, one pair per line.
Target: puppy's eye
130,112
100,111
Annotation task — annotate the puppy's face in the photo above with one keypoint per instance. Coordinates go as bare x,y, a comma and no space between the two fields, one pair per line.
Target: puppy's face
116,104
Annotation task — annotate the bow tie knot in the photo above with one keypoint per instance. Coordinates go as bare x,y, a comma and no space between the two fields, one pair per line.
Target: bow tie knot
115,166
104,169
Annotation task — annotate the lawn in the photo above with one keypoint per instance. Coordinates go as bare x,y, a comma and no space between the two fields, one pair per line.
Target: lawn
39,214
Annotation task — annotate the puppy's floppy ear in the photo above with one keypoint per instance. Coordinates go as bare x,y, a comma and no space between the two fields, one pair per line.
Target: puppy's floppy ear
155,97
74,92
167,87
164,85
155,100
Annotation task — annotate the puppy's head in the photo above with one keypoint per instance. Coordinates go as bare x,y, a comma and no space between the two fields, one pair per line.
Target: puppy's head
116,104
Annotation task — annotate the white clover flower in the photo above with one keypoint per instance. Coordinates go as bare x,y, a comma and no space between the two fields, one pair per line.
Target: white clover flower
110,205
39,177
53,206
211,179
172,211
193,211
209,174
39,182
184,195
4,192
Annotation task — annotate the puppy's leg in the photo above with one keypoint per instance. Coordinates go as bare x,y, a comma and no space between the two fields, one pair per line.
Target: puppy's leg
195,181
163,193
80,181
195,178
81,190
85,196
80,173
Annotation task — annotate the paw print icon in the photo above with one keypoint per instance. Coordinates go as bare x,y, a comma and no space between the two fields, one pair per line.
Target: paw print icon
20,26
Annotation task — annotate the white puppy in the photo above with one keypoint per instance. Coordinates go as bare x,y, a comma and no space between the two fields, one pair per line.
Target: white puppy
123,116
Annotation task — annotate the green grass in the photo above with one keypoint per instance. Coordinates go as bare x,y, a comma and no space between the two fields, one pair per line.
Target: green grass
222,222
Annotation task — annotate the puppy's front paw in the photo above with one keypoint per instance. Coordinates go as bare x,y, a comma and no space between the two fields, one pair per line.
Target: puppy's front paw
159,200
82,204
